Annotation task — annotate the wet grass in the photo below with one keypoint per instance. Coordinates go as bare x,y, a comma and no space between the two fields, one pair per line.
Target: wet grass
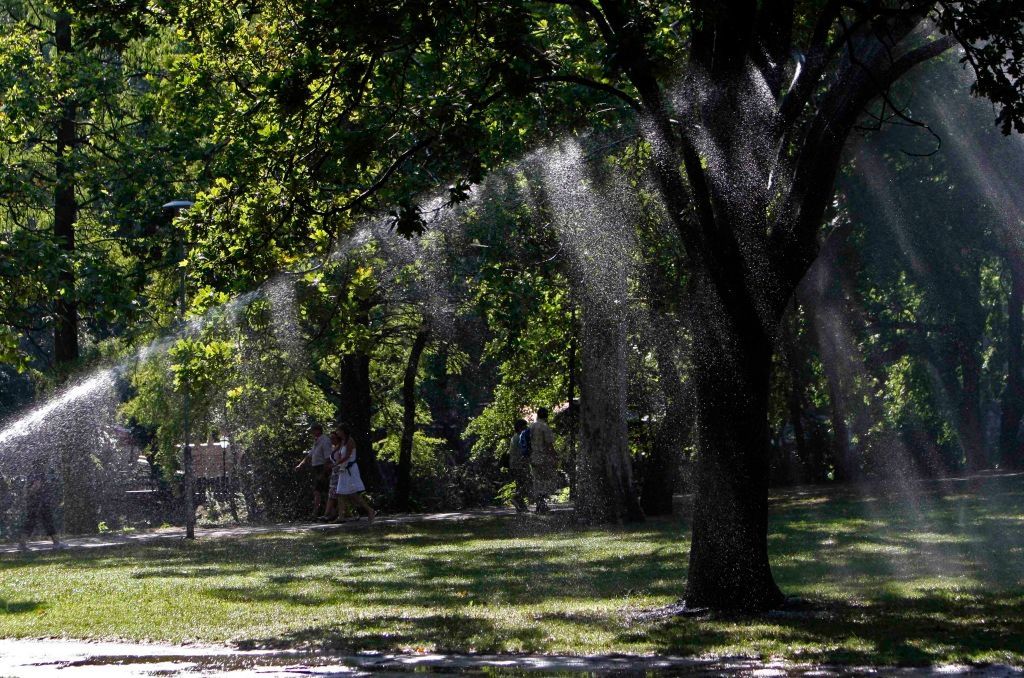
934,574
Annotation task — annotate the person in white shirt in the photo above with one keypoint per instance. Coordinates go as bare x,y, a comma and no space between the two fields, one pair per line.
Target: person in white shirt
318,459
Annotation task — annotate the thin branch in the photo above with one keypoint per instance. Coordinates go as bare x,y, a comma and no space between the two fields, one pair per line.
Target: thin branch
383,177
593,84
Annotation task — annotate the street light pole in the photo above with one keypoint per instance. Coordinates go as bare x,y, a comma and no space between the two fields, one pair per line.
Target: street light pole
186,454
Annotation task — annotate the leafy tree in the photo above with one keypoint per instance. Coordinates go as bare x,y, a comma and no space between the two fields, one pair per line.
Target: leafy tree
90,155
937,298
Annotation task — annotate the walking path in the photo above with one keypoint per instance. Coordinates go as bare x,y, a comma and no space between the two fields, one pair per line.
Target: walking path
170,533
79,659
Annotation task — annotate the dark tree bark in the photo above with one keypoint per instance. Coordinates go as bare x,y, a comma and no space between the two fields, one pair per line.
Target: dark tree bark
572,414
661,469
356,410
1010,453
79,505
822,293
606,491
972,438
599,272
65,213
403,488
729,566
795,393
969,352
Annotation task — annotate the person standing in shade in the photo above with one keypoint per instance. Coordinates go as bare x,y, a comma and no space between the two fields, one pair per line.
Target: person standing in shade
519,465
319,461
39,496
349,490
543,460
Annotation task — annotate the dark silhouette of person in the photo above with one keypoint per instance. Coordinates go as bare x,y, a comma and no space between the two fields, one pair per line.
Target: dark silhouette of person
519,465
40,492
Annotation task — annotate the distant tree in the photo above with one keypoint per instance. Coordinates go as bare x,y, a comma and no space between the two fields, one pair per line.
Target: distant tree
89,156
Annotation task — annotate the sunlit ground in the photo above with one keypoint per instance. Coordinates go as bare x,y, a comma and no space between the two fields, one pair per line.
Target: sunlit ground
937,576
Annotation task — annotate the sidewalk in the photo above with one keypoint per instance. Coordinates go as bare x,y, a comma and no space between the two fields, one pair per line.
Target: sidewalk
42,658
172,533
82,659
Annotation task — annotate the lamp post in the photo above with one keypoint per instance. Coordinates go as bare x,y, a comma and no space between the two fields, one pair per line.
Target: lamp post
175,207
223,443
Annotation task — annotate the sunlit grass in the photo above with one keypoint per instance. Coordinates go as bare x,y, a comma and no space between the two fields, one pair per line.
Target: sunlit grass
933,578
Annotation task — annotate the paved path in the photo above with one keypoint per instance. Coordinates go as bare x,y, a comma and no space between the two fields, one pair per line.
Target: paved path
78,659
141,537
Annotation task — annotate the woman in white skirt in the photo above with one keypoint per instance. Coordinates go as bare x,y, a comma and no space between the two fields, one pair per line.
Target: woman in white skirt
349,487
331,512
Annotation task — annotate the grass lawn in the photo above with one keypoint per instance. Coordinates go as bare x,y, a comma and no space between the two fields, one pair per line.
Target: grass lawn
933,577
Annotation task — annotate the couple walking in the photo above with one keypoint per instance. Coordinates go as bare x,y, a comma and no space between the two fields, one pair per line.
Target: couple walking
532,461
334,474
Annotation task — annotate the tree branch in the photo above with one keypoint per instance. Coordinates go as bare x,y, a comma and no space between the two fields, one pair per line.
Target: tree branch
593,84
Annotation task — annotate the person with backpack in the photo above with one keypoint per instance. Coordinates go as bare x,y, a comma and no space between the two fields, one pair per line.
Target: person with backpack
519,465
543,460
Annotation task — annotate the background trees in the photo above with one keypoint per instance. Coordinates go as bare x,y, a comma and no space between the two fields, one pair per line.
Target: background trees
620,200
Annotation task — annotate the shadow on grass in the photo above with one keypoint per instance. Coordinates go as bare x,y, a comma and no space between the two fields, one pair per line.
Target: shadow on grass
449,632
191,572
913,632
18,607
431,566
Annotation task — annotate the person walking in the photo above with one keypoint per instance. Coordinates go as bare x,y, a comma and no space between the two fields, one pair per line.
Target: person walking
331,512
39,495
519,465
350,488
543,460
319,461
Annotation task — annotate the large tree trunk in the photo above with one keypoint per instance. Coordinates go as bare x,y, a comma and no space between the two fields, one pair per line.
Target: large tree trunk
356,410
572,413
606,491
828,324
969,349
661,470
1013,393
729,566
598,256
972,438
408,421
728,147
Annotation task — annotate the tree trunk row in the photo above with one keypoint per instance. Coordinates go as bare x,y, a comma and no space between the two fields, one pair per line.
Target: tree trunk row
404,484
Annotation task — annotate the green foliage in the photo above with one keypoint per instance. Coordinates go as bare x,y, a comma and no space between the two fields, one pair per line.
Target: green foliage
241,382
128,157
